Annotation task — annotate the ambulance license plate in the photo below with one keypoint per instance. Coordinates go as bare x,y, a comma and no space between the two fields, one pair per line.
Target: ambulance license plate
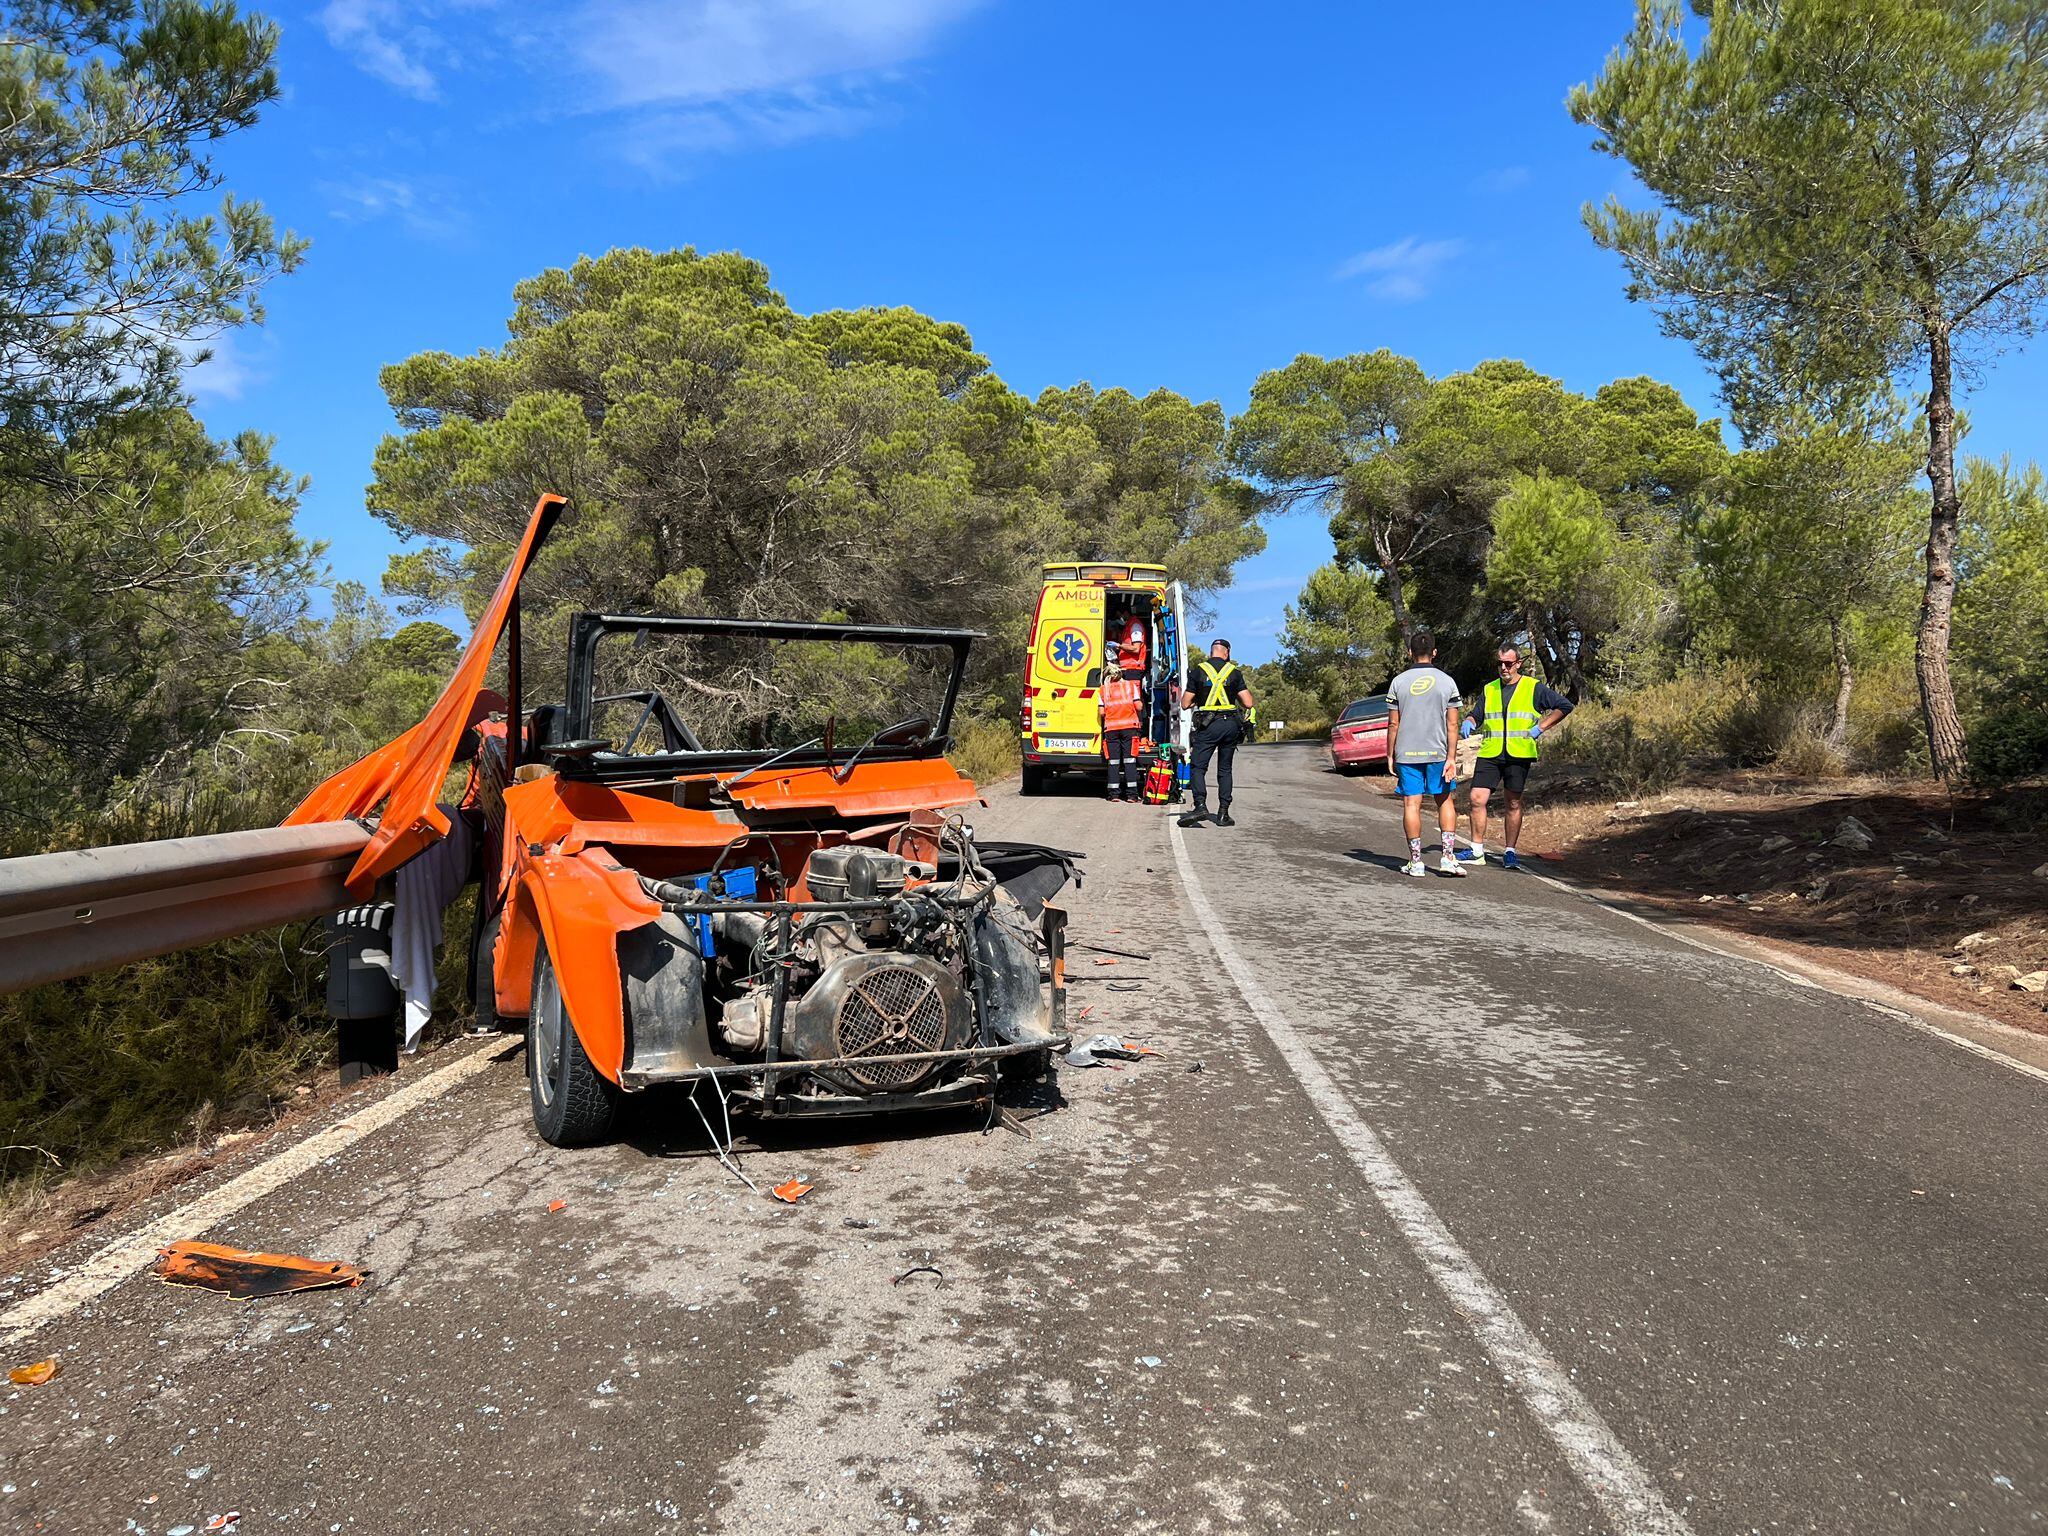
1064,744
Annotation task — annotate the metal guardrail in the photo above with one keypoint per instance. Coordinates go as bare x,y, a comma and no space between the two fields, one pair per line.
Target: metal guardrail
67,914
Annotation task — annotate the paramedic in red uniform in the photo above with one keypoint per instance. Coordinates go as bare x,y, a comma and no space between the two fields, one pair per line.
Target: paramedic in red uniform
1118,702
1133,640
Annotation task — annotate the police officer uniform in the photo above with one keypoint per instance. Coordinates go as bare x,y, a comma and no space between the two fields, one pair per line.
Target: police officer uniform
1219,727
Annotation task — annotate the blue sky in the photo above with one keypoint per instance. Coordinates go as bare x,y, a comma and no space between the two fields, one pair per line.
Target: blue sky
1133,195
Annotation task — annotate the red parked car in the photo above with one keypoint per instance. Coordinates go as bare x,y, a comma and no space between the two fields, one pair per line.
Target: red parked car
1359,738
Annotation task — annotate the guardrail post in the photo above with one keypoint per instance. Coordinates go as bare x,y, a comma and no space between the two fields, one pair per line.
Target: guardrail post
361,996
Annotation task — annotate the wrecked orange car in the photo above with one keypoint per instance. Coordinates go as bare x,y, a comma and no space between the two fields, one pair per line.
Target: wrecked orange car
731,857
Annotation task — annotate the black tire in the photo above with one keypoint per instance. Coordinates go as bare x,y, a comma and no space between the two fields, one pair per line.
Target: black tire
573,1106
1031,781
484,1001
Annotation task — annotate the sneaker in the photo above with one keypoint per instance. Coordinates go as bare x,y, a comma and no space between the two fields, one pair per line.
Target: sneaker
1471,855
1449,864
1416,868
1509,861
1225,819
1194,818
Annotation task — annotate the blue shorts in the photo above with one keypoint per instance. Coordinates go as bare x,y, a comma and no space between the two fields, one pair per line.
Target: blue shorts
1423,779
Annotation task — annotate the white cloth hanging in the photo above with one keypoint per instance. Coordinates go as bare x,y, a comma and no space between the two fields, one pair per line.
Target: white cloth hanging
427,882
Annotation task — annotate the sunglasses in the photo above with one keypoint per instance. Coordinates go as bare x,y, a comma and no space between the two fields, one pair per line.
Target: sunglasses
1509,666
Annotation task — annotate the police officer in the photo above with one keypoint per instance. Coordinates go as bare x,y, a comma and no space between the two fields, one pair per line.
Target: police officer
1220,695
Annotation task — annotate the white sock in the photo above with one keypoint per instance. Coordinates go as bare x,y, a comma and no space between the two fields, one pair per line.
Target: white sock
1415,849
1478,847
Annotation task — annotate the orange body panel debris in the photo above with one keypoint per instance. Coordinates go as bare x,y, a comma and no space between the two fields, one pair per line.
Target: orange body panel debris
557,1205
791,1191
34,1375
242,1275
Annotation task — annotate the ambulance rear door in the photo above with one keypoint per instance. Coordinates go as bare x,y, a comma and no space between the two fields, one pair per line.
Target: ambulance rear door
1066,721
1177,613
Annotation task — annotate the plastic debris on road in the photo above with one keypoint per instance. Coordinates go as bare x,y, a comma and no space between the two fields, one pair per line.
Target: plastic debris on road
226,1522
1150,1362
918,1269
244,1276
789,1191
34,1375
557,1205
1093,1051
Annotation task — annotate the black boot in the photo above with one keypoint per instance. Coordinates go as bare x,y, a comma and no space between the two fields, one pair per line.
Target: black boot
1195,817
1224,818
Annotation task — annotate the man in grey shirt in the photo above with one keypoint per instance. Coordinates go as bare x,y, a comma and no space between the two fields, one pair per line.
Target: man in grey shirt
1422,729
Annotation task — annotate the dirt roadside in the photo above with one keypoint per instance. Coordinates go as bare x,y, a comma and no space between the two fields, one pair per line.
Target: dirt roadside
1944,898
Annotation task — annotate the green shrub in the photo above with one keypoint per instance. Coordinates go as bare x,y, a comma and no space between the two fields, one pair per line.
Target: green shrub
160,1051
987,751
1885,733
2008,744
1633,758
169,1049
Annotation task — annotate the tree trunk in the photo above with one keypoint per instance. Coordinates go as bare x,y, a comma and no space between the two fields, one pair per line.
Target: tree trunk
1845,684
1397,599
1937,601
1549,654
1582,663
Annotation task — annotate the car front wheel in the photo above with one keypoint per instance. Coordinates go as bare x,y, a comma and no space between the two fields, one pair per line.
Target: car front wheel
573,1105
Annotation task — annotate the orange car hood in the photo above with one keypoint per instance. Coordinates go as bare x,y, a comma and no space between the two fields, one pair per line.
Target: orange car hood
872,789
406,775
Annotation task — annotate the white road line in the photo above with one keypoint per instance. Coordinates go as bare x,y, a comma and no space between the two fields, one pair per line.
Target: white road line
128,1253
1677,930
1632,1502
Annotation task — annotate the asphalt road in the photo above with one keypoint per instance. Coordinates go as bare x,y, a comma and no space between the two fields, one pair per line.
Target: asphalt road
1449,1206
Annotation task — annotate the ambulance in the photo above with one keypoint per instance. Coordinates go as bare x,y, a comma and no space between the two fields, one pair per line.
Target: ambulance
1083,608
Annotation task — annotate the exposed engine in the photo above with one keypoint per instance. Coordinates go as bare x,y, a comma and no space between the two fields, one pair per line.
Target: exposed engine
884,965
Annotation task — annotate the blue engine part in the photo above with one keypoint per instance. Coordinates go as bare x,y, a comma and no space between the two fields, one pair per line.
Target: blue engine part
735,884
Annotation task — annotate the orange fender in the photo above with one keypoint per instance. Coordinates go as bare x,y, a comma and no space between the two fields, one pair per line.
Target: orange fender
578,907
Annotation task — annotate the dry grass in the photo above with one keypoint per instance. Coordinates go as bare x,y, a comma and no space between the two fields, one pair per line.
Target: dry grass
1643,742
987,751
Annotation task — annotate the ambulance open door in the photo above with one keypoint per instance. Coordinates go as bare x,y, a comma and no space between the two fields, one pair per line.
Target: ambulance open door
1176,607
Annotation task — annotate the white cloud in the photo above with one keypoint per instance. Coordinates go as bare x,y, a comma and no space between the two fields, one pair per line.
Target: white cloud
694,51
222,369
673,79
656,139
384,40
421,210
1402,271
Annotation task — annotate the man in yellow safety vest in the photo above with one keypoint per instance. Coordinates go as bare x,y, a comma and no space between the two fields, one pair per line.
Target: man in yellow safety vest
1514,711
1221,696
